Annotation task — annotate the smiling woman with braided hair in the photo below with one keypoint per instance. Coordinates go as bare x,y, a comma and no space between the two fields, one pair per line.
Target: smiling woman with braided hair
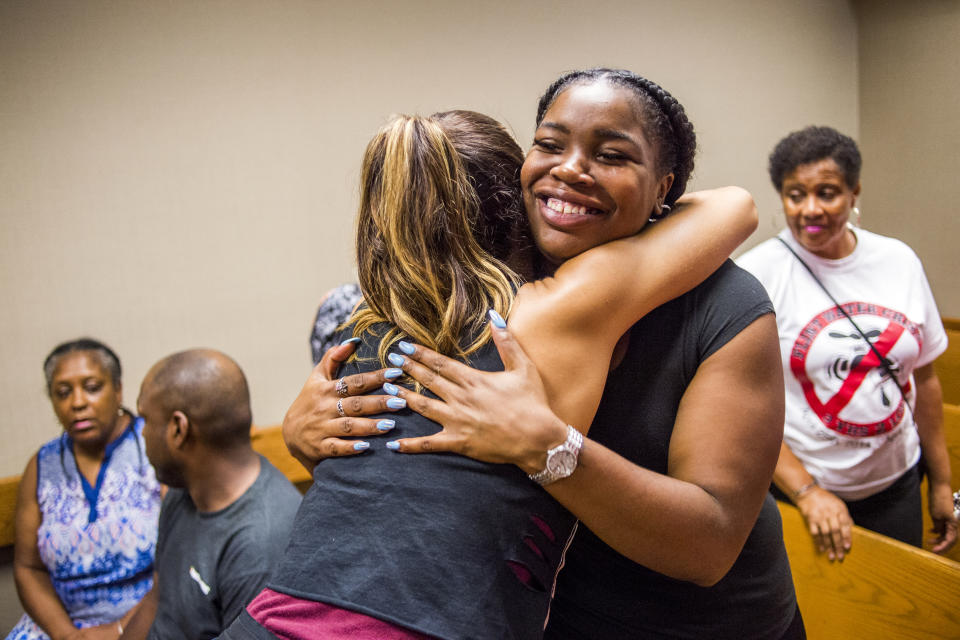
679,536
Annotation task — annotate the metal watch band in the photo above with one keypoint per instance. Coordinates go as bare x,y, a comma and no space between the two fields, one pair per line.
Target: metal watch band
561,460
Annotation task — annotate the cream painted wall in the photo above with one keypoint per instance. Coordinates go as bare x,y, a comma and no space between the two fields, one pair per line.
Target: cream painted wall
181,174
910,132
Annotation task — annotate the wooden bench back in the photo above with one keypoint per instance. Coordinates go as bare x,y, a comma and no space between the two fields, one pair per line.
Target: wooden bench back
883,589
948,364
268,442
951,431
8,508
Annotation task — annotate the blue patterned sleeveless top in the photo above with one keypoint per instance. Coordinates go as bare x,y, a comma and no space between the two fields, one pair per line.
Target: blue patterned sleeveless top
97,542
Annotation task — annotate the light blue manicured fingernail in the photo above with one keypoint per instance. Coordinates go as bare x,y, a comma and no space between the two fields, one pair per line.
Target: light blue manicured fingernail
406,347
393,444
386,425
392,374
392,389
396,359
361,446
350,341
396,403
496,319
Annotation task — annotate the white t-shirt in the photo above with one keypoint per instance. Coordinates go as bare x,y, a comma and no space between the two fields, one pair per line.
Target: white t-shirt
845,418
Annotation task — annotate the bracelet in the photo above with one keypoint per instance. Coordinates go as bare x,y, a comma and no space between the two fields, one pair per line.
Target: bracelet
799,493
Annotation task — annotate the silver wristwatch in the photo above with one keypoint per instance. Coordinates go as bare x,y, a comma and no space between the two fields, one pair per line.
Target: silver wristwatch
561,460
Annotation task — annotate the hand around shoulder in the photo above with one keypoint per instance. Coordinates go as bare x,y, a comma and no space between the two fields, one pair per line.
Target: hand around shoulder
491,416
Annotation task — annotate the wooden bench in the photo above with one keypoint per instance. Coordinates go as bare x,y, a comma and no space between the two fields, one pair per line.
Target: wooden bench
268,442
883,589
948,364
8,508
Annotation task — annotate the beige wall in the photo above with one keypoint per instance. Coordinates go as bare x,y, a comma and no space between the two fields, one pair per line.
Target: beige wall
910,131
176,174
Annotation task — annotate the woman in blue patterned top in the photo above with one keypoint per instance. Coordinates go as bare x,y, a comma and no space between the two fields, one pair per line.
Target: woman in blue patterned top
86,522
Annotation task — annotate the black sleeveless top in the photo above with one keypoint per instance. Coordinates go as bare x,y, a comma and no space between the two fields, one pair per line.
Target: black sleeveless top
437,543
602,594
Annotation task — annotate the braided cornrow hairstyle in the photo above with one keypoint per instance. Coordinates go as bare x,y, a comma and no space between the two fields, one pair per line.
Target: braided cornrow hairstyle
665,120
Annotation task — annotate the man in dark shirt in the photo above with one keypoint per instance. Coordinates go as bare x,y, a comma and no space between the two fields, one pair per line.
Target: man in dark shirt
227,516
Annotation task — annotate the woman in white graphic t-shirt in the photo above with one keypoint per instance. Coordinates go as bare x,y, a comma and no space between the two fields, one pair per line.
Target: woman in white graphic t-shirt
859,331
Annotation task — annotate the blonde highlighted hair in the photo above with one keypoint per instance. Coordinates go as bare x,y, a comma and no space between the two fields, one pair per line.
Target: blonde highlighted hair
420,264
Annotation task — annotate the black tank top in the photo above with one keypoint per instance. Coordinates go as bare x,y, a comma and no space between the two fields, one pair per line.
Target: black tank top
438,543
600,593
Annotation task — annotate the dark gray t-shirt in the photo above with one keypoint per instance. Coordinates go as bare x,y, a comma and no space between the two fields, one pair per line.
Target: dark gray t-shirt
211,565
441,544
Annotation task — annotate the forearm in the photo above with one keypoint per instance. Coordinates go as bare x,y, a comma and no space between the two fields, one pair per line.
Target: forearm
929,417
668,525
732,208
41,603
137,626
791,476
679,252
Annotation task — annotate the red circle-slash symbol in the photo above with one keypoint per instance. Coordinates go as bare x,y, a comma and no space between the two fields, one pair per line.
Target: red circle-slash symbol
829,411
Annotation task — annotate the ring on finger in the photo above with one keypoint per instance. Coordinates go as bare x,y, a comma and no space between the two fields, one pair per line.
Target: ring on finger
342,388
340,409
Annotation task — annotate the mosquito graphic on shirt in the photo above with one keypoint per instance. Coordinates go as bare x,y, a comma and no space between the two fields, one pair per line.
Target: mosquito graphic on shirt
844,364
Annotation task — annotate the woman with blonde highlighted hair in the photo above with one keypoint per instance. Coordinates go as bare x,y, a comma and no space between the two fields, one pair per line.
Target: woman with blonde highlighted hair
419,264
391,546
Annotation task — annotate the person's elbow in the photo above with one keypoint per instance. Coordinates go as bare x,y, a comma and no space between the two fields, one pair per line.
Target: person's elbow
703,564
709,567
712,572
747,215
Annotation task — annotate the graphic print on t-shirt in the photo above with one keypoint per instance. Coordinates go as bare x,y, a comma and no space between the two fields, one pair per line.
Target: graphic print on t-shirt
196,577
856,396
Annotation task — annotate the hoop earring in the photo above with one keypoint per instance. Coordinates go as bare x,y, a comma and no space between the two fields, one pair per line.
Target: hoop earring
663,210
856,216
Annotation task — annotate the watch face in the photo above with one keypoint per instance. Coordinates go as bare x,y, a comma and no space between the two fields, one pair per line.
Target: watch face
562,463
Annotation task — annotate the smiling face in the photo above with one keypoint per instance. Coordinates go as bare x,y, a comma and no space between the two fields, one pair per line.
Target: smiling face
591,175
817,203
85,399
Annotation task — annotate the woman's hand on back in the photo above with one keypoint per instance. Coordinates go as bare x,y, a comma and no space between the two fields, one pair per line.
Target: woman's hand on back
315,429
500,417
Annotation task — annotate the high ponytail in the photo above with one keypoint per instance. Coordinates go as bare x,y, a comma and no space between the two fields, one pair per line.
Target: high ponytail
420,267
